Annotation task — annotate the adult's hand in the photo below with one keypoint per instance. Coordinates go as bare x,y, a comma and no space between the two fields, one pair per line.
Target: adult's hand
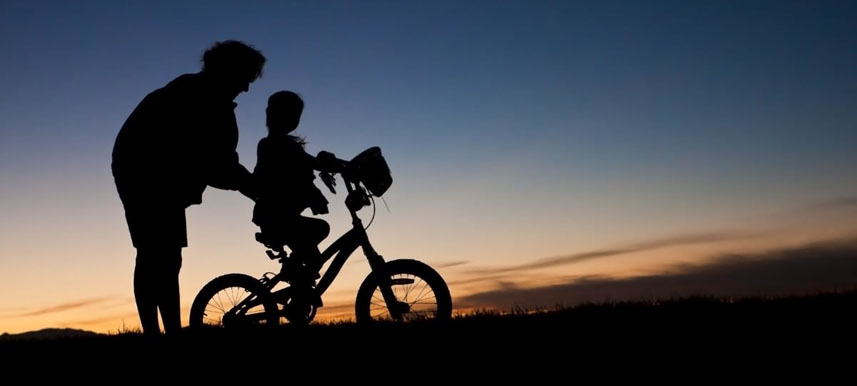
247,185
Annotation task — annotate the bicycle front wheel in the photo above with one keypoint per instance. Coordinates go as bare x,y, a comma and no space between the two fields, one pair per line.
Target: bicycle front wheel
234,301
420,292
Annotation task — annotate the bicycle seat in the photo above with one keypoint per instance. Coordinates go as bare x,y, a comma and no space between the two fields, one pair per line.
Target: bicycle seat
270,241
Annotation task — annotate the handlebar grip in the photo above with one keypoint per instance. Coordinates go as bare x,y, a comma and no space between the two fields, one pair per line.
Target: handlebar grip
329,163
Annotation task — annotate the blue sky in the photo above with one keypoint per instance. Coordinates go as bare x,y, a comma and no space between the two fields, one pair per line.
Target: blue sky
515,130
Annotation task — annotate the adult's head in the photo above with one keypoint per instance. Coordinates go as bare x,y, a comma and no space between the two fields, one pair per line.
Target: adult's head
284,111
232,65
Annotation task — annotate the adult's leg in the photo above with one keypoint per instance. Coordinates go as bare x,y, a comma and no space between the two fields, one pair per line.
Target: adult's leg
156,287
159,234
169,300
146,290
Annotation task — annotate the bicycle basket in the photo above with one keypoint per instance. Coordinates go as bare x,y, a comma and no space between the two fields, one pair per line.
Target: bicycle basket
371,169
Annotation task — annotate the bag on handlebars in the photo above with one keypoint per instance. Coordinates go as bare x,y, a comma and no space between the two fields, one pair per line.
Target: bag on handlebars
371,169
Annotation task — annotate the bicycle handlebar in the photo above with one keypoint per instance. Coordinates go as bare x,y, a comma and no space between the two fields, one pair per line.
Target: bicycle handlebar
365,175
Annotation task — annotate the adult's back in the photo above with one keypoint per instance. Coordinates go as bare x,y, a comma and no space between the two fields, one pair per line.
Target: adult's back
178,140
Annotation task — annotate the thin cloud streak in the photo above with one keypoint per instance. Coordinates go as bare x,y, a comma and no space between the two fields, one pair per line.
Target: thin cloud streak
478,279
64,307
450,264
700,238
842,202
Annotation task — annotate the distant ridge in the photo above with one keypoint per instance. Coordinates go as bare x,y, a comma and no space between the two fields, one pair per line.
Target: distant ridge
49,334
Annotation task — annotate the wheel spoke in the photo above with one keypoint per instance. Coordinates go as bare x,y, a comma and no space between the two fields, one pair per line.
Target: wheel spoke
416,293
219,303
425,285
224,301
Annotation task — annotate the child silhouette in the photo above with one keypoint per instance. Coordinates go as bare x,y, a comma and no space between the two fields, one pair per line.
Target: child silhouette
284,175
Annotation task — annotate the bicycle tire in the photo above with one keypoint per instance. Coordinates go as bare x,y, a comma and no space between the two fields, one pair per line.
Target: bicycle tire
403,274
209,302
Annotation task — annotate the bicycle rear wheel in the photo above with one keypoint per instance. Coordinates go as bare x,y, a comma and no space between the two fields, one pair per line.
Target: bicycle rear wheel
421,294
234,301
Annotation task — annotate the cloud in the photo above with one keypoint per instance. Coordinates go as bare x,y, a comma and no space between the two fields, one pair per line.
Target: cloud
699,238
63,307
478,279
841,202
813,268
449,264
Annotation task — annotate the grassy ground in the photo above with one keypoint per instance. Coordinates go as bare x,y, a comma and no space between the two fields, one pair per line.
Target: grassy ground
677,329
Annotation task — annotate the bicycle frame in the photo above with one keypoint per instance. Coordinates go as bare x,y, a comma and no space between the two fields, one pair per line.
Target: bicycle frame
298,301
343,248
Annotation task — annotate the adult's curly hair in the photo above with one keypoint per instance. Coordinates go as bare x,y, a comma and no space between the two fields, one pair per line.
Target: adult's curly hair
233,56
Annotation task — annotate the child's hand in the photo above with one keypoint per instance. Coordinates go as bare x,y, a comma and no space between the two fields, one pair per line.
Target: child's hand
328,162
328,180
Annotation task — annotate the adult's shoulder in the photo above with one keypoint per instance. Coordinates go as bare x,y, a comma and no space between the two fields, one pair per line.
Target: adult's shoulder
181,88
185,83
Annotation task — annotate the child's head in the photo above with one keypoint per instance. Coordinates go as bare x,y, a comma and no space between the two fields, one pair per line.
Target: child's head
284,111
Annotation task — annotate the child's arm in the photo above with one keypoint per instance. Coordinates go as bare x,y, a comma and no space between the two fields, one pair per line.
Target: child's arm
327,163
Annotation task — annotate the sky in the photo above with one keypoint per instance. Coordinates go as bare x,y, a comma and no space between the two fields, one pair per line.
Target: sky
543,152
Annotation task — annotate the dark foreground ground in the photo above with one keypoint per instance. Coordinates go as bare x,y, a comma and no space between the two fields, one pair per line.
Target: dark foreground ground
820,327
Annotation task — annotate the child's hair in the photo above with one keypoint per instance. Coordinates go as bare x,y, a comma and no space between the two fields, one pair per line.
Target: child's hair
290,103
286,100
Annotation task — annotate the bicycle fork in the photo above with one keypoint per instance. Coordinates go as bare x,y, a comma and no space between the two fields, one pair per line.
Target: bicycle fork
379,268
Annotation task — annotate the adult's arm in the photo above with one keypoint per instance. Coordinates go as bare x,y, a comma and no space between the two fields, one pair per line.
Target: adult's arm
221,166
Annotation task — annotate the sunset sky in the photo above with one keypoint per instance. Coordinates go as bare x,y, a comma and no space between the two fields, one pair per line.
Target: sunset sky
543,152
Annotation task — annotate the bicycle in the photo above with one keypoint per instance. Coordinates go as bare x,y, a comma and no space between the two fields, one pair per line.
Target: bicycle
398,290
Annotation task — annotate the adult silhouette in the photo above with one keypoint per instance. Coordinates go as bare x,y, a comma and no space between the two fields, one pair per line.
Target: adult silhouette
180,139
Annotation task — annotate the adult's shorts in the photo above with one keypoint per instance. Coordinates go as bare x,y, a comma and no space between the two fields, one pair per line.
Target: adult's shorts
157,227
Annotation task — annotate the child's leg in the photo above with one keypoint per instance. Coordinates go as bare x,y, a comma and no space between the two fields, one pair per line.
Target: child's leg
309,233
